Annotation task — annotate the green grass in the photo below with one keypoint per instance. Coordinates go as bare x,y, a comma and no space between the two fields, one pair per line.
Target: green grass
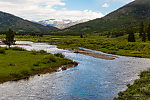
140,90
119,46
18,64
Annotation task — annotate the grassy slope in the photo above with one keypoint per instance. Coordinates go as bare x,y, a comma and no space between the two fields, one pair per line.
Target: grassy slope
129,15
140,90
20,25
16,65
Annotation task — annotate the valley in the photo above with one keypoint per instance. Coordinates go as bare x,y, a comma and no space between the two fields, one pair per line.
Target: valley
91,72
75,54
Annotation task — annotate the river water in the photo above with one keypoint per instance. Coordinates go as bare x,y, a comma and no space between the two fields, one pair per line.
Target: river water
92,79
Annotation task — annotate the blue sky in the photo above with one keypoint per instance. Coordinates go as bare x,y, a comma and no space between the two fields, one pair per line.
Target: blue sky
60,9
95,5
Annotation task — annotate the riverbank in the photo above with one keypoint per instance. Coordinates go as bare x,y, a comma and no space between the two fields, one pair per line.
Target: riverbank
93,54
17,63
89,69
117,46
140,90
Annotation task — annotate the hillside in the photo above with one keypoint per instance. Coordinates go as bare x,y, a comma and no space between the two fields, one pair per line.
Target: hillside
128,15
21,25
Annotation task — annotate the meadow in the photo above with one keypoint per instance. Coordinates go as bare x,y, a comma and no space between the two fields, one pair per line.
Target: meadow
117,46
140,90
17,63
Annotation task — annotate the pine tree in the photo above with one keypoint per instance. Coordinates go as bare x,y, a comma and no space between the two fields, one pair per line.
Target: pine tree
9,38
141,29
144,37
81,36
148,32
131,37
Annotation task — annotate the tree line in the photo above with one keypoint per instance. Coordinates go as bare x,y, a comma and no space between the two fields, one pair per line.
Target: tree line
144,33
9,40
10,35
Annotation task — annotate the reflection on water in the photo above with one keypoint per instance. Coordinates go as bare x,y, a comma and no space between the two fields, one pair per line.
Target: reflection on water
92,79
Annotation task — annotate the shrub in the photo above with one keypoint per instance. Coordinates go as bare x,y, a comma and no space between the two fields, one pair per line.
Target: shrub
128,85
59,55
2,50
42,52
36,64
25,72
49,59
46,61
11,64
52,58
18,49
15,75
34,52
33,69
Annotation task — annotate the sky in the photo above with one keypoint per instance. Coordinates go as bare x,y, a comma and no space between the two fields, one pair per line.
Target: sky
36,10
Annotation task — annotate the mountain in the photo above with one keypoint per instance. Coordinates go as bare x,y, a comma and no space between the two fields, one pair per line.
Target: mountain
129,15
21,25
61,24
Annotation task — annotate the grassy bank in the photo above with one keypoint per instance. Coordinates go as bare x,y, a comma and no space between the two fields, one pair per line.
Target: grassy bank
17,63
118,46
140,90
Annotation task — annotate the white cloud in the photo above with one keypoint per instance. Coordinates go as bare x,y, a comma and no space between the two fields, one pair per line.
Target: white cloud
105,5
44,9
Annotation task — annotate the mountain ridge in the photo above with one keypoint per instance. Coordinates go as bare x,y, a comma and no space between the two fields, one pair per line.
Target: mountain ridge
129,15
20,25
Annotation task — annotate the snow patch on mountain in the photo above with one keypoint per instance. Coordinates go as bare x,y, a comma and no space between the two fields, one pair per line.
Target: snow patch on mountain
61,24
